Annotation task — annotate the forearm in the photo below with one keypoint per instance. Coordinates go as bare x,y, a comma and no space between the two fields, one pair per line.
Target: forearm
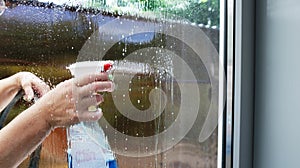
9,87
20,137
60,107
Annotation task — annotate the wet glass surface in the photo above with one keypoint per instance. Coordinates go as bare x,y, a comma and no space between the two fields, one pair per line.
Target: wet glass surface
46,40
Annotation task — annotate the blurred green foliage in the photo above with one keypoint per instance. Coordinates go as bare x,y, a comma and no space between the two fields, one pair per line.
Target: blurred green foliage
205,12
201,12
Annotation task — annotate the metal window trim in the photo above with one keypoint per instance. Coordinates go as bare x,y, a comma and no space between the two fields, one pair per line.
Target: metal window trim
222,83
243,87
226,81
237,49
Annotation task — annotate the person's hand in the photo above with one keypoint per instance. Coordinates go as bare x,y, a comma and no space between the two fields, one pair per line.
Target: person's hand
31,84
71,101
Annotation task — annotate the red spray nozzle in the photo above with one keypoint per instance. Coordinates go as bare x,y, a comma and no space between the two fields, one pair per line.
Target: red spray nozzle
107,66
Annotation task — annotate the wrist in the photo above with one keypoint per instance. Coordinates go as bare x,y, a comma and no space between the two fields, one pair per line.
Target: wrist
15,81
44,110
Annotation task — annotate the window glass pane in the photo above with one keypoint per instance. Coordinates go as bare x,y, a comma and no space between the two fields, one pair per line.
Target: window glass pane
164,109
